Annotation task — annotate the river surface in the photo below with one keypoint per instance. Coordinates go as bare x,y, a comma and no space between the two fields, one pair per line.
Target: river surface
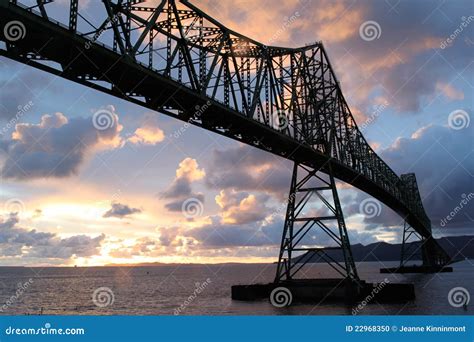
203,290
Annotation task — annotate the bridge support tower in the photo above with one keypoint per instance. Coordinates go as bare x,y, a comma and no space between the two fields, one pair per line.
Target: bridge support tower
314,219
315,231
417,247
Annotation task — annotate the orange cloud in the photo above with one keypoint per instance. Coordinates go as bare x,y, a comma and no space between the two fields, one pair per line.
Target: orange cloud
147,136
240,207
449,91
189,169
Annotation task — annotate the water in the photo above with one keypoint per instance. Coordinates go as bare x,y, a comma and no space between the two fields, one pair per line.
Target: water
161,290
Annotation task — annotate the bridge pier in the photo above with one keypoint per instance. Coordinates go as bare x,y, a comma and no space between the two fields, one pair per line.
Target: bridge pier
425,250
301,243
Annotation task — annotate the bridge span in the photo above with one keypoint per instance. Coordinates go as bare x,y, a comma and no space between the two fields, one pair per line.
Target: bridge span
175,59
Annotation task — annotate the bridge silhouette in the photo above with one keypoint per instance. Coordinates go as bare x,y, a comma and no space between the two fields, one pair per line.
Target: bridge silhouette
175,59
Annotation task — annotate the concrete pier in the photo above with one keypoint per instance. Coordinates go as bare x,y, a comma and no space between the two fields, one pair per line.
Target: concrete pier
316,290
416,269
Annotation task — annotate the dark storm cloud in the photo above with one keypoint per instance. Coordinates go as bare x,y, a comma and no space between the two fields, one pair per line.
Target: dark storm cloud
43,245
443,160
381,217
56,147
120,210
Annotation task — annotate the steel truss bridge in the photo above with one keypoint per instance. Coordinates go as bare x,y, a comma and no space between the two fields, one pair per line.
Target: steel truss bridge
173,58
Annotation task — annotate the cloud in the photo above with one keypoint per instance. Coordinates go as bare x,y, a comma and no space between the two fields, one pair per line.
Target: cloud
241,207
149,133
218,234
21,242
141,246
180,189
245,168
178,204
147,136
120,211
168,236
189,170
37,213
169,242
442,159
404,64
449,91
56,147
382,218
268,233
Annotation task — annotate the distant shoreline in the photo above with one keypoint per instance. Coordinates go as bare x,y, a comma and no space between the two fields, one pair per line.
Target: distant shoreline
140,265
187,264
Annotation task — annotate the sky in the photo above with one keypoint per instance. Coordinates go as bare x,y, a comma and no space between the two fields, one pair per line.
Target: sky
71,194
